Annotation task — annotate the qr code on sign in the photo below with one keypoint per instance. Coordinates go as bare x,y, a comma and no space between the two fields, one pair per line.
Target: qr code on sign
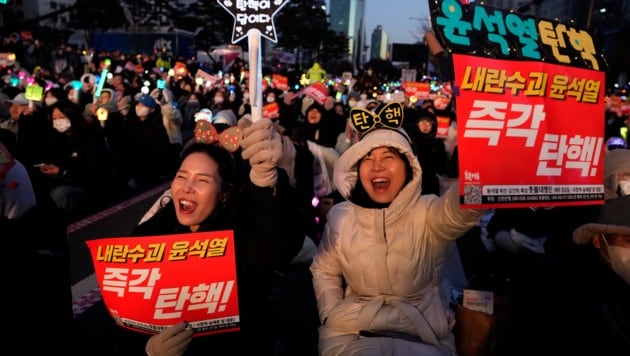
472,194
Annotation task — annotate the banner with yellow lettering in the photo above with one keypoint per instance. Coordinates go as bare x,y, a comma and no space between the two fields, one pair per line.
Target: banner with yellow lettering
151,283
531,133
529,104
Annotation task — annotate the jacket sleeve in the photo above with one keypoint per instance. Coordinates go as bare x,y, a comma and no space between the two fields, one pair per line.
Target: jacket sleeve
327,274
273,224
448,219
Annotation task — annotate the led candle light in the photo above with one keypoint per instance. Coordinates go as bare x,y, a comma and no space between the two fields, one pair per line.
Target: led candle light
102,114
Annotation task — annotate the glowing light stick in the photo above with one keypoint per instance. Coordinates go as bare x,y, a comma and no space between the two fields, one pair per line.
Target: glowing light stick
254,19
76,85
102,114
102,79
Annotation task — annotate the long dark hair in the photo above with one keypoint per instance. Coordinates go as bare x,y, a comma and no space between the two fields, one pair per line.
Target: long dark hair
72,112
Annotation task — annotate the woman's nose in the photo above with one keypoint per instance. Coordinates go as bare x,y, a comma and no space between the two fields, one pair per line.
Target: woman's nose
189,185
378,165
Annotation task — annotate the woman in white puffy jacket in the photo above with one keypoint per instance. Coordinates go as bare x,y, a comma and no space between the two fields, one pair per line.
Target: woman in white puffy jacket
378,270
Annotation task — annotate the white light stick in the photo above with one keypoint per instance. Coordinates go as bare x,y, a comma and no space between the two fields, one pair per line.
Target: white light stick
255,71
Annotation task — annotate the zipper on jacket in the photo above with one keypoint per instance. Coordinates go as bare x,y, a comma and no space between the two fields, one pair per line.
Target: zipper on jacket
384,230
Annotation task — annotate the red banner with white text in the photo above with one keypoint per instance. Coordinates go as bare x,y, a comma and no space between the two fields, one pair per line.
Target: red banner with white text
531,133
151,283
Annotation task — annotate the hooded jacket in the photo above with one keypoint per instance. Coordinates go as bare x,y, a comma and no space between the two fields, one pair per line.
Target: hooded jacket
111,105
391,260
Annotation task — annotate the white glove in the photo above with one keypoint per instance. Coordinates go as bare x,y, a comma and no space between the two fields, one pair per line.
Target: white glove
262,146
173,341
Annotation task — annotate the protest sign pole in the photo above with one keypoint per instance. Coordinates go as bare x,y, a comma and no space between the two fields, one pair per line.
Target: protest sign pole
255,74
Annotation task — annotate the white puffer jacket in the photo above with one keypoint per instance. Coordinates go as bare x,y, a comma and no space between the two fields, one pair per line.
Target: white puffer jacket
392,261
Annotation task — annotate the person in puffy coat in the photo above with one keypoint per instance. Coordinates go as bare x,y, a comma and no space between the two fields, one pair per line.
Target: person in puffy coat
378,271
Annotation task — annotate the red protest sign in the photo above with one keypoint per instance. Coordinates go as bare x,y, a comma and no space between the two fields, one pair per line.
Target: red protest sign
271,111
418,90
151,283
530,133
318,91
280,81
443,123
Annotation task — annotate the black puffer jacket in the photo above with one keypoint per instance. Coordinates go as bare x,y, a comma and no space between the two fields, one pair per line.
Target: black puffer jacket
268,234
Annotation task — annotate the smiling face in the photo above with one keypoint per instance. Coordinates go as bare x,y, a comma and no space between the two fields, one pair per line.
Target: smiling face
196,189
383,174
313,116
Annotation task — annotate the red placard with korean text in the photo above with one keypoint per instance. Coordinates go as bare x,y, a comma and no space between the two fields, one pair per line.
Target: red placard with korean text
443,123
271,111
151,283
280,82
317,90
531,133
421,91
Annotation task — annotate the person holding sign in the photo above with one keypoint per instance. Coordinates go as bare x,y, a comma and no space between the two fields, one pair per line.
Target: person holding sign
379,272
211,192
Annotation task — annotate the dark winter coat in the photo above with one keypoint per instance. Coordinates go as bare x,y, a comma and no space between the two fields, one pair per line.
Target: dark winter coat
267,234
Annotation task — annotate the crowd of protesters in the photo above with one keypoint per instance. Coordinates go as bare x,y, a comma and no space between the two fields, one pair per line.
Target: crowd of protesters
110,125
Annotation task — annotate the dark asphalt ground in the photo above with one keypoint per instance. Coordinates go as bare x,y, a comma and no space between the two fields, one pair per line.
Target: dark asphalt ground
93,324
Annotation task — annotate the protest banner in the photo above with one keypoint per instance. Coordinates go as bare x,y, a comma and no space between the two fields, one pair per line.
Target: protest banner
151,283
529,107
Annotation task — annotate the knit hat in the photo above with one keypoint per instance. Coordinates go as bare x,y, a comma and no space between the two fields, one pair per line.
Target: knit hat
615,162
614,218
